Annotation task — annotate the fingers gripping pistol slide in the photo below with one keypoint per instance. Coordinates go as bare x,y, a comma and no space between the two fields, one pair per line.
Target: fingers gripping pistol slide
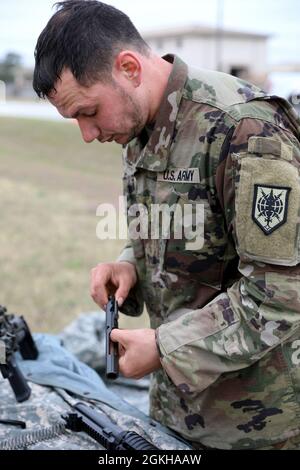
112,356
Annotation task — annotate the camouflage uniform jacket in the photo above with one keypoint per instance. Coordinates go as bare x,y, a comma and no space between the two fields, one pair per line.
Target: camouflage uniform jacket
226,305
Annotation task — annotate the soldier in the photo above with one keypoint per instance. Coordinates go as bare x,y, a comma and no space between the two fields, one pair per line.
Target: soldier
224,342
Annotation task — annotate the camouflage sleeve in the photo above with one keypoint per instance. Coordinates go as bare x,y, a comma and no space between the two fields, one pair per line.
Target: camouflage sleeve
134,304
258,186
127,254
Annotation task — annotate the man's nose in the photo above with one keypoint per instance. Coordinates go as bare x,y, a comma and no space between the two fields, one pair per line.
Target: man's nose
88,130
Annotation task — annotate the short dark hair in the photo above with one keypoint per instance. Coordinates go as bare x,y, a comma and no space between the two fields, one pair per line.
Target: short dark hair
83,36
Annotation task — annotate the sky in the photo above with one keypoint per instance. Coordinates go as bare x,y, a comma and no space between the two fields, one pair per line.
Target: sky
21,21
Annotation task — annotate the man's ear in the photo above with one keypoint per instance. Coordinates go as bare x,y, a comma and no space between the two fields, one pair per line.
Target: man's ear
127,65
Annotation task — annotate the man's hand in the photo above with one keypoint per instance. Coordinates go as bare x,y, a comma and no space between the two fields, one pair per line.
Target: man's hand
138,354
112,279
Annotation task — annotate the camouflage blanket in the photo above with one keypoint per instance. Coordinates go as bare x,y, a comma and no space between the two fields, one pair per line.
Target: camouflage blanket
57,370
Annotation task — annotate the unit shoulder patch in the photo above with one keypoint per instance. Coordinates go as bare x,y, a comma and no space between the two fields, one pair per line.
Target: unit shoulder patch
267,208
270,207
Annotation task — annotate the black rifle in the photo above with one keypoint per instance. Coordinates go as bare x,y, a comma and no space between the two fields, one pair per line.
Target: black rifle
112,356
98,426
15,336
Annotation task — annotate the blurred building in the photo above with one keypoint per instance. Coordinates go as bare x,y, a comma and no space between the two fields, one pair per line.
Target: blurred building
21,87
238,53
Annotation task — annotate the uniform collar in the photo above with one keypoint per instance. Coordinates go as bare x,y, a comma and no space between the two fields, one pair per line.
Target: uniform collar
154,156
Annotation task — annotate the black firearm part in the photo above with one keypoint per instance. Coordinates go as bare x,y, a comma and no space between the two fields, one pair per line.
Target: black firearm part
112,356
98,426
15,336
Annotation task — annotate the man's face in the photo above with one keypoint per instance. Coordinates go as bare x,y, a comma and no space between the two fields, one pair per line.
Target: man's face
105,112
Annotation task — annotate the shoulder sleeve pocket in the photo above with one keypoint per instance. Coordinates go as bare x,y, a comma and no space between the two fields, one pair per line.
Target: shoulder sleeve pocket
267,209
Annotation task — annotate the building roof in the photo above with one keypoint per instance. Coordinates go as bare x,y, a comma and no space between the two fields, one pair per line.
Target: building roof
200,31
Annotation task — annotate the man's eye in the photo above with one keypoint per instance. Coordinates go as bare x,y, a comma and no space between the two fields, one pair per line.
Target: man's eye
92,114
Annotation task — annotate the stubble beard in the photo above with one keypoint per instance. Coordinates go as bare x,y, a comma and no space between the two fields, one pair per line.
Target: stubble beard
135,116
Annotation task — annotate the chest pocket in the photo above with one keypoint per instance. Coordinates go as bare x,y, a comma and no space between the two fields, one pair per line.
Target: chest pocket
140,191
197,242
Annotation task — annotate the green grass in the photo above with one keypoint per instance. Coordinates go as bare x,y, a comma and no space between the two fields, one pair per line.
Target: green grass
50,186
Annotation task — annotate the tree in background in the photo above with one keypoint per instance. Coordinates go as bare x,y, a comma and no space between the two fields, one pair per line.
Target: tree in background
9,67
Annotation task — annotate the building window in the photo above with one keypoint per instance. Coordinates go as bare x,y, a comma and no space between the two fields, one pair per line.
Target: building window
238,71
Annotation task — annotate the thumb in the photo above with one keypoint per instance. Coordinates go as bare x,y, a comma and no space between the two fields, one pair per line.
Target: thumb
118,336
